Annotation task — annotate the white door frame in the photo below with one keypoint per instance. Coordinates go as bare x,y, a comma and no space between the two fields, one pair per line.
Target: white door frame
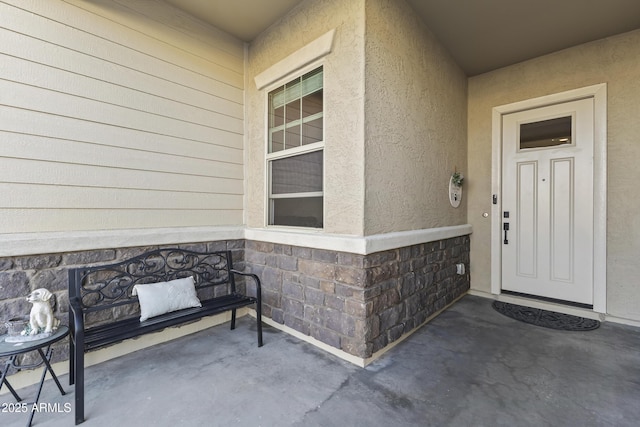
599,95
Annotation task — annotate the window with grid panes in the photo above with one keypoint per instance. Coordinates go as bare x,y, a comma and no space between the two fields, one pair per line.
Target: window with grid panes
295,155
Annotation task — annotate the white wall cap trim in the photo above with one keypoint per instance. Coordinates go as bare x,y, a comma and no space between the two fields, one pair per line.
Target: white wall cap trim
309,239
57,242
387,241
356,244
69,241
313,51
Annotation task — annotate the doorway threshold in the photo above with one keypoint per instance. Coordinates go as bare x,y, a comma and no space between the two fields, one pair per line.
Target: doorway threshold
551,300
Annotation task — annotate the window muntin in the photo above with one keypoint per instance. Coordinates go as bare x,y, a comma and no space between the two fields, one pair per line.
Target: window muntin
296,112
295,158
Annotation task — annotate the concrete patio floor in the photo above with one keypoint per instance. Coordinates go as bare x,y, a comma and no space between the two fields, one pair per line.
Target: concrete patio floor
469,367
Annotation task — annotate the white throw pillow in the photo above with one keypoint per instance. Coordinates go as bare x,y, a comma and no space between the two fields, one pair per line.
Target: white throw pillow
162,297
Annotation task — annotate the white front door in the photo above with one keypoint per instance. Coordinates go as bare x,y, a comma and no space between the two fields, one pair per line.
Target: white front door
547,201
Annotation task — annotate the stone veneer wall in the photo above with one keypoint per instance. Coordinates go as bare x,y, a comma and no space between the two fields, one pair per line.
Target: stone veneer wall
358,303
20,275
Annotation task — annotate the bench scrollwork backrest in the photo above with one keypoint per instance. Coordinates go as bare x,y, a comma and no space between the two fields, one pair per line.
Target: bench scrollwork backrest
108,286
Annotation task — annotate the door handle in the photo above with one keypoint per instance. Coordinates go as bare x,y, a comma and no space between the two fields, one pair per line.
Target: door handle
505,227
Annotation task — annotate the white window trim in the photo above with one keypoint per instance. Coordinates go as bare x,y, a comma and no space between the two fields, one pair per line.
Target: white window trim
300,62
296,195
290,152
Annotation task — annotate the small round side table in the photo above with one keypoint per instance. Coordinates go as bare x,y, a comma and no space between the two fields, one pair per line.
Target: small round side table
43,347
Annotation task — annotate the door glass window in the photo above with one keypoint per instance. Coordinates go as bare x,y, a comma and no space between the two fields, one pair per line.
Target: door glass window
546,133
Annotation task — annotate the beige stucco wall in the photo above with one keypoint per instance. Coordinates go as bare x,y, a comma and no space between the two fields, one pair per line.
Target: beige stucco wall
343,100
415,115
391,142
614,61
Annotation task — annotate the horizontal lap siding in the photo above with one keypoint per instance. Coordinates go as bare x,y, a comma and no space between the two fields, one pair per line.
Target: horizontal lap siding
117,114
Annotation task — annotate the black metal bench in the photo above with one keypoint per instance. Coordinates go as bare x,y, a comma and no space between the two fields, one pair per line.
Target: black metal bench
104,311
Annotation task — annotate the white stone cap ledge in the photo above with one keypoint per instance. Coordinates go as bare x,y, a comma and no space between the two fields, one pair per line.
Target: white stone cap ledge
62,241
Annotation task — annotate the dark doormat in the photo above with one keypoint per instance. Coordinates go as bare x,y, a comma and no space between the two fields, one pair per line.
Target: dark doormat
547,319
